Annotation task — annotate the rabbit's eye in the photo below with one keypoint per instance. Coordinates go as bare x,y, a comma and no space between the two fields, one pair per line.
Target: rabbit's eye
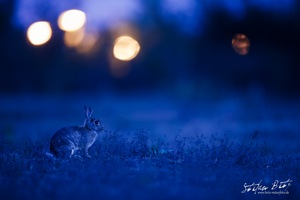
97,122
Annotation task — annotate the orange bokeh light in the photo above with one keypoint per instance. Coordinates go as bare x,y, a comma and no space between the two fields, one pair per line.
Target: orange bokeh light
241,44
126,48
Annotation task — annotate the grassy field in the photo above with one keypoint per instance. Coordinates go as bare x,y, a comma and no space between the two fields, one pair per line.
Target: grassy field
154,150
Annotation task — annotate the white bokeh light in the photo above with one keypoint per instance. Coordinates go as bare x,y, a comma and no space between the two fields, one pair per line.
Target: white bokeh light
39,33
71,20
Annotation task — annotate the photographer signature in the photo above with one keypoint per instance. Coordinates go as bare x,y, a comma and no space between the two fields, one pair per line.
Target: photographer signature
276,187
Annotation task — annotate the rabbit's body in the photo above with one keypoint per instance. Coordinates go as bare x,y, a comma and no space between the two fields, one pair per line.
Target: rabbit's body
68,140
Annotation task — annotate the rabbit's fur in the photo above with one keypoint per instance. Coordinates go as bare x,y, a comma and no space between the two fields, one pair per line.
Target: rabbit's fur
68,140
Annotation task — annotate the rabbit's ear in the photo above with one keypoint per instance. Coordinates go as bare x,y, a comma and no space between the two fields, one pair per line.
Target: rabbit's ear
88,112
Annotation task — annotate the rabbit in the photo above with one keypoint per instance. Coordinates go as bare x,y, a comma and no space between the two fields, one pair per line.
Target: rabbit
68,140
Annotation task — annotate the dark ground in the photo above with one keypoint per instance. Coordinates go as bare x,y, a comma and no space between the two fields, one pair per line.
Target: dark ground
155,146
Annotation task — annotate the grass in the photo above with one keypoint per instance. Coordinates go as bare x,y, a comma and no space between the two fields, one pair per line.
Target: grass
143,167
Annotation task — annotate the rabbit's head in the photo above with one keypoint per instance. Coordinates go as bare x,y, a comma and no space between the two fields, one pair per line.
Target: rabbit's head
92,123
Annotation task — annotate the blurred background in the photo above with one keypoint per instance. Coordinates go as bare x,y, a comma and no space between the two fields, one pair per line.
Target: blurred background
168,66
184,47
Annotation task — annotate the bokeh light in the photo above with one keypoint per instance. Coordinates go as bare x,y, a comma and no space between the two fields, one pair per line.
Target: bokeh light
241,44
71,20
88,43
81,40
73,38
126,48
39,33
